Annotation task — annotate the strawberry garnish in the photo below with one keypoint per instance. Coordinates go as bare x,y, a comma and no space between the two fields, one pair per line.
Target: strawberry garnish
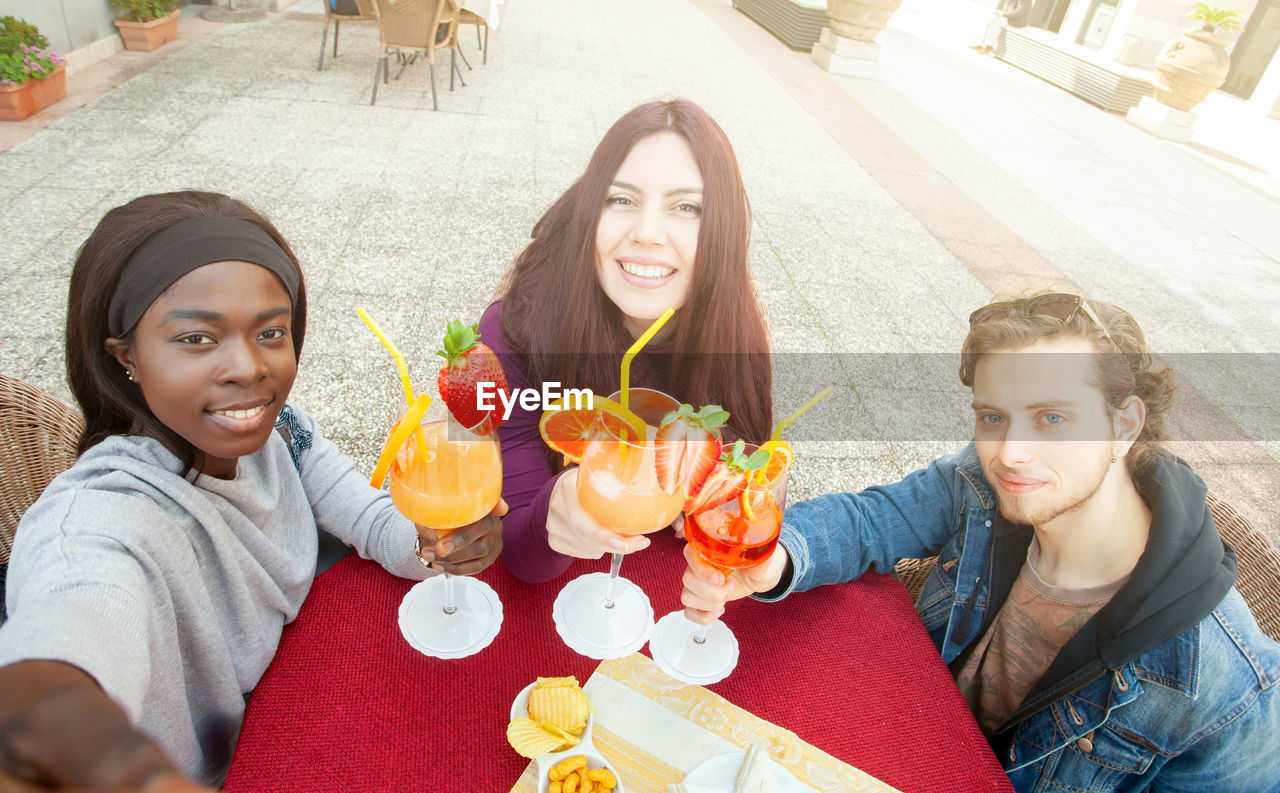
468,363
687,447
726,479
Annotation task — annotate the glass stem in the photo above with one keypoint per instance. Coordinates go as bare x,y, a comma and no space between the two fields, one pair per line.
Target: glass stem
614,567
449,605
700,633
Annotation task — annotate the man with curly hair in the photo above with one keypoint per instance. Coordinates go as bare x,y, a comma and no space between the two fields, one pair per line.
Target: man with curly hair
1082,598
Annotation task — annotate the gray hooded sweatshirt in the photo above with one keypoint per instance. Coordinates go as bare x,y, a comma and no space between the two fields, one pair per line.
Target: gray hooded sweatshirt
172,591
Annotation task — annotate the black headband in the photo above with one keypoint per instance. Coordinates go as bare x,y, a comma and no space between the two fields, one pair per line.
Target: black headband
171,253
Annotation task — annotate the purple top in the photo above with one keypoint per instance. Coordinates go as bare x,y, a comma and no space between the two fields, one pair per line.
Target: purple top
529,467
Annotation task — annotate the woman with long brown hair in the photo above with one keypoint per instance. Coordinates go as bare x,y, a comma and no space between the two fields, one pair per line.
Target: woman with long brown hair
659,220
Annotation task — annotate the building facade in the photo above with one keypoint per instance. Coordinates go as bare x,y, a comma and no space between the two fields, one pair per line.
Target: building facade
1134,31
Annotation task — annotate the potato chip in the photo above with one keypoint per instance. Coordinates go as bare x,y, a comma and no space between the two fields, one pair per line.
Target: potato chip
561,704
530,740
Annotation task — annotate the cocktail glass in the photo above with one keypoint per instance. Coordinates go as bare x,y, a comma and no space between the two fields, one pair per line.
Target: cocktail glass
606,616
728,539
450,479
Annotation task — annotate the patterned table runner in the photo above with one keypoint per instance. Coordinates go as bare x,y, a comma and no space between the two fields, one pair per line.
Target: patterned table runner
654,730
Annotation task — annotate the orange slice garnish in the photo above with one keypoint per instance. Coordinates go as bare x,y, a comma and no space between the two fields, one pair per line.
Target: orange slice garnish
566,430
780,458
399,434
755,503
756,499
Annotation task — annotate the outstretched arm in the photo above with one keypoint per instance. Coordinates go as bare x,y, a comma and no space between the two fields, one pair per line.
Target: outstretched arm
60,731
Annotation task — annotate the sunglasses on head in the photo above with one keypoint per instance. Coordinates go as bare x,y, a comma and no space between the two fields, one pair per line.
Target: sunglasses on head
1058,305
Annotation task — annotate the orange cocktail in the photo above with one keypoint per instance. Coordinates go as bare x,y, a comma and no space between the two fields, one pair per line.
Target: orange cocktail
726,538
455,483
607,616
732,522
618,482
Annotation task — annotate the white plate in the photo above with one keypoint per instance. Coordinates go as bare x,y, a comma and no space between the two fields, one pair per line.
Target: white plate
721,772
520,708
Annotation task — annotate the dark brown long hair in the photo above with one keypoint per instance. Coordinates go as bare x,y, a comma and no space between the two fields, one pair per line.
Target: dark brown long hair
110,403
556,315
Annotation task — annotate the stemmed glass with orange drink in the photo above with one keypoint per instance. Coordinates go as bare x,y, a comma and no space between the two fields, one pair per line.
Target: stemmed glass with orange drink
451,479
732,520
604,615
445,471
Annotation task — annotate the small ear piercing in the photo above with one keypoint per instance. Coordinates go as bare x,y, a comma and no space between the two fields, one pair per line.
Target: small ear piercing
1113,457
129,374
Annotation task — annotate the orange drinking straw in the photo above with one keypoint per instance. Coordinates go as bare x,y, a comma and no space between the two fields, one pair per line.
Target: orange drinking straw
391,348
635,347
818,397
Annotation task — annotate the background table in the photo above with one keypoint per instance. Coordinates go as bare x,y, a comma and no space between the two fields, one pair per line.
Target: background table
348,705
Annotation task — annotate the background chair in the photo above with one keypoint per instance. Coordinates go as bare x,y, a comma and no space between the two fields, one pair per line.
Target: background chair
466,17
1258,578
412,28
38,438
363,13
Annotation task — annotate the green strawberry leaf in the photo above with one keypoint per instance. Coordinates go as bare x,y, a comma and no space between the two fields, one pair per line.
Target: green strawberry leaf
458,340
736,457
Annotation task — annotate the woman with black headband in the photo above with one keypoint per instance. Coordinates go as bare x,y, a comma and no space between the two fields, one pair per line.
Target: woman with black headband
149,584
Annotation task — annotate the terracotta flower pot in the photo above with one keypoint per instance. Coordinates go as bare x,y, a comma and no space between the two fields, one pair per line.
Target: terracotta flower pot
860,20
1189,68
19,101
147,36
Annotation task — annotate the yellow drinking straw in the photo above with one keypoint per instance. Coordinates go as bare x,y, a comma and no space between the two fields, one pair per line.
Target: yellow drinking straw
409,399
391,348
635,348
818,397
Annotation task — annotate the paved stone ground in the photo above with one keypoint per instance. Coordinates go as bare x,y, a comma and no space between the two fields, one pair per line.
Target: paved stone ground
884,212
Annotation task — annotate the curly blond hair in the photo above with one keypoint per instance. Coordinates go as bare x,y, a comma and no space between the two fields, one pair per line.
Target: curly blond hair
1123,369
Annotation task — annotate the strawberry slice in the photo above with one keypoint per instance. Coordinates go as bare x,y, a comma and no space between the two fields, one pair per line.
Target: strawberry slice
723,484
687,447
727,478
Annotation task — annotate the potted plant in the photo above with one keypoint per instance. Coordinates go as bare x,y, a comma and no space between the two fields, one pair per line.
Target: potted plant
1192,66
32,76
147,24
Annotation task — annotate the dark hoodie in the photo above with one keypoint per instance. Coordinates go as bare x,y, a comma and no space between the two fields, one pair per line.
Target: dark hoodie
1182,576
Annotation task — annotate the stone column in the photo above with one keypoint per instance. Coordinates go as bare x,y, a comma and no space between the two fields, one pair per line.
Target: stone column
848,46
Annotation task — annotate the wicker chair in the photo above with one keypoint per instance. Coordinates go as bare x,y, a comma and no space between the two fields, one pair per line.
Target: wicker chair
38,437
1258,578
364,13
466,17
413,28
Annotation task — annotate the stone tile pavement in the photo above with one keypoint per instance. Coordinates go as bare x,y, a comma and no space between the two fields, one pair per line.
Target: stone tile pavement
884,212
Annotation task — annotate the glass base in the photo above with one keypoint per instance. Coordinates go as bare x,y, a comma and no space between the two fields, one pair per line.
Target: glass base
677,654
466,631
591,629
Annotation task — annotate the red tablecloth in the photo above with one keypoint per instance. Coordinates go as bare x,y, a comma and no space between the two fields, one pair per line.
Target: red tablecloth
348,705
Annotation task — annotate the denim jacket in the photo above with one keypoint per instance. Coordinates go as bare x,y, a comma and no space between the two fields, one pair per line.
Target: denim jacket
1171,687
